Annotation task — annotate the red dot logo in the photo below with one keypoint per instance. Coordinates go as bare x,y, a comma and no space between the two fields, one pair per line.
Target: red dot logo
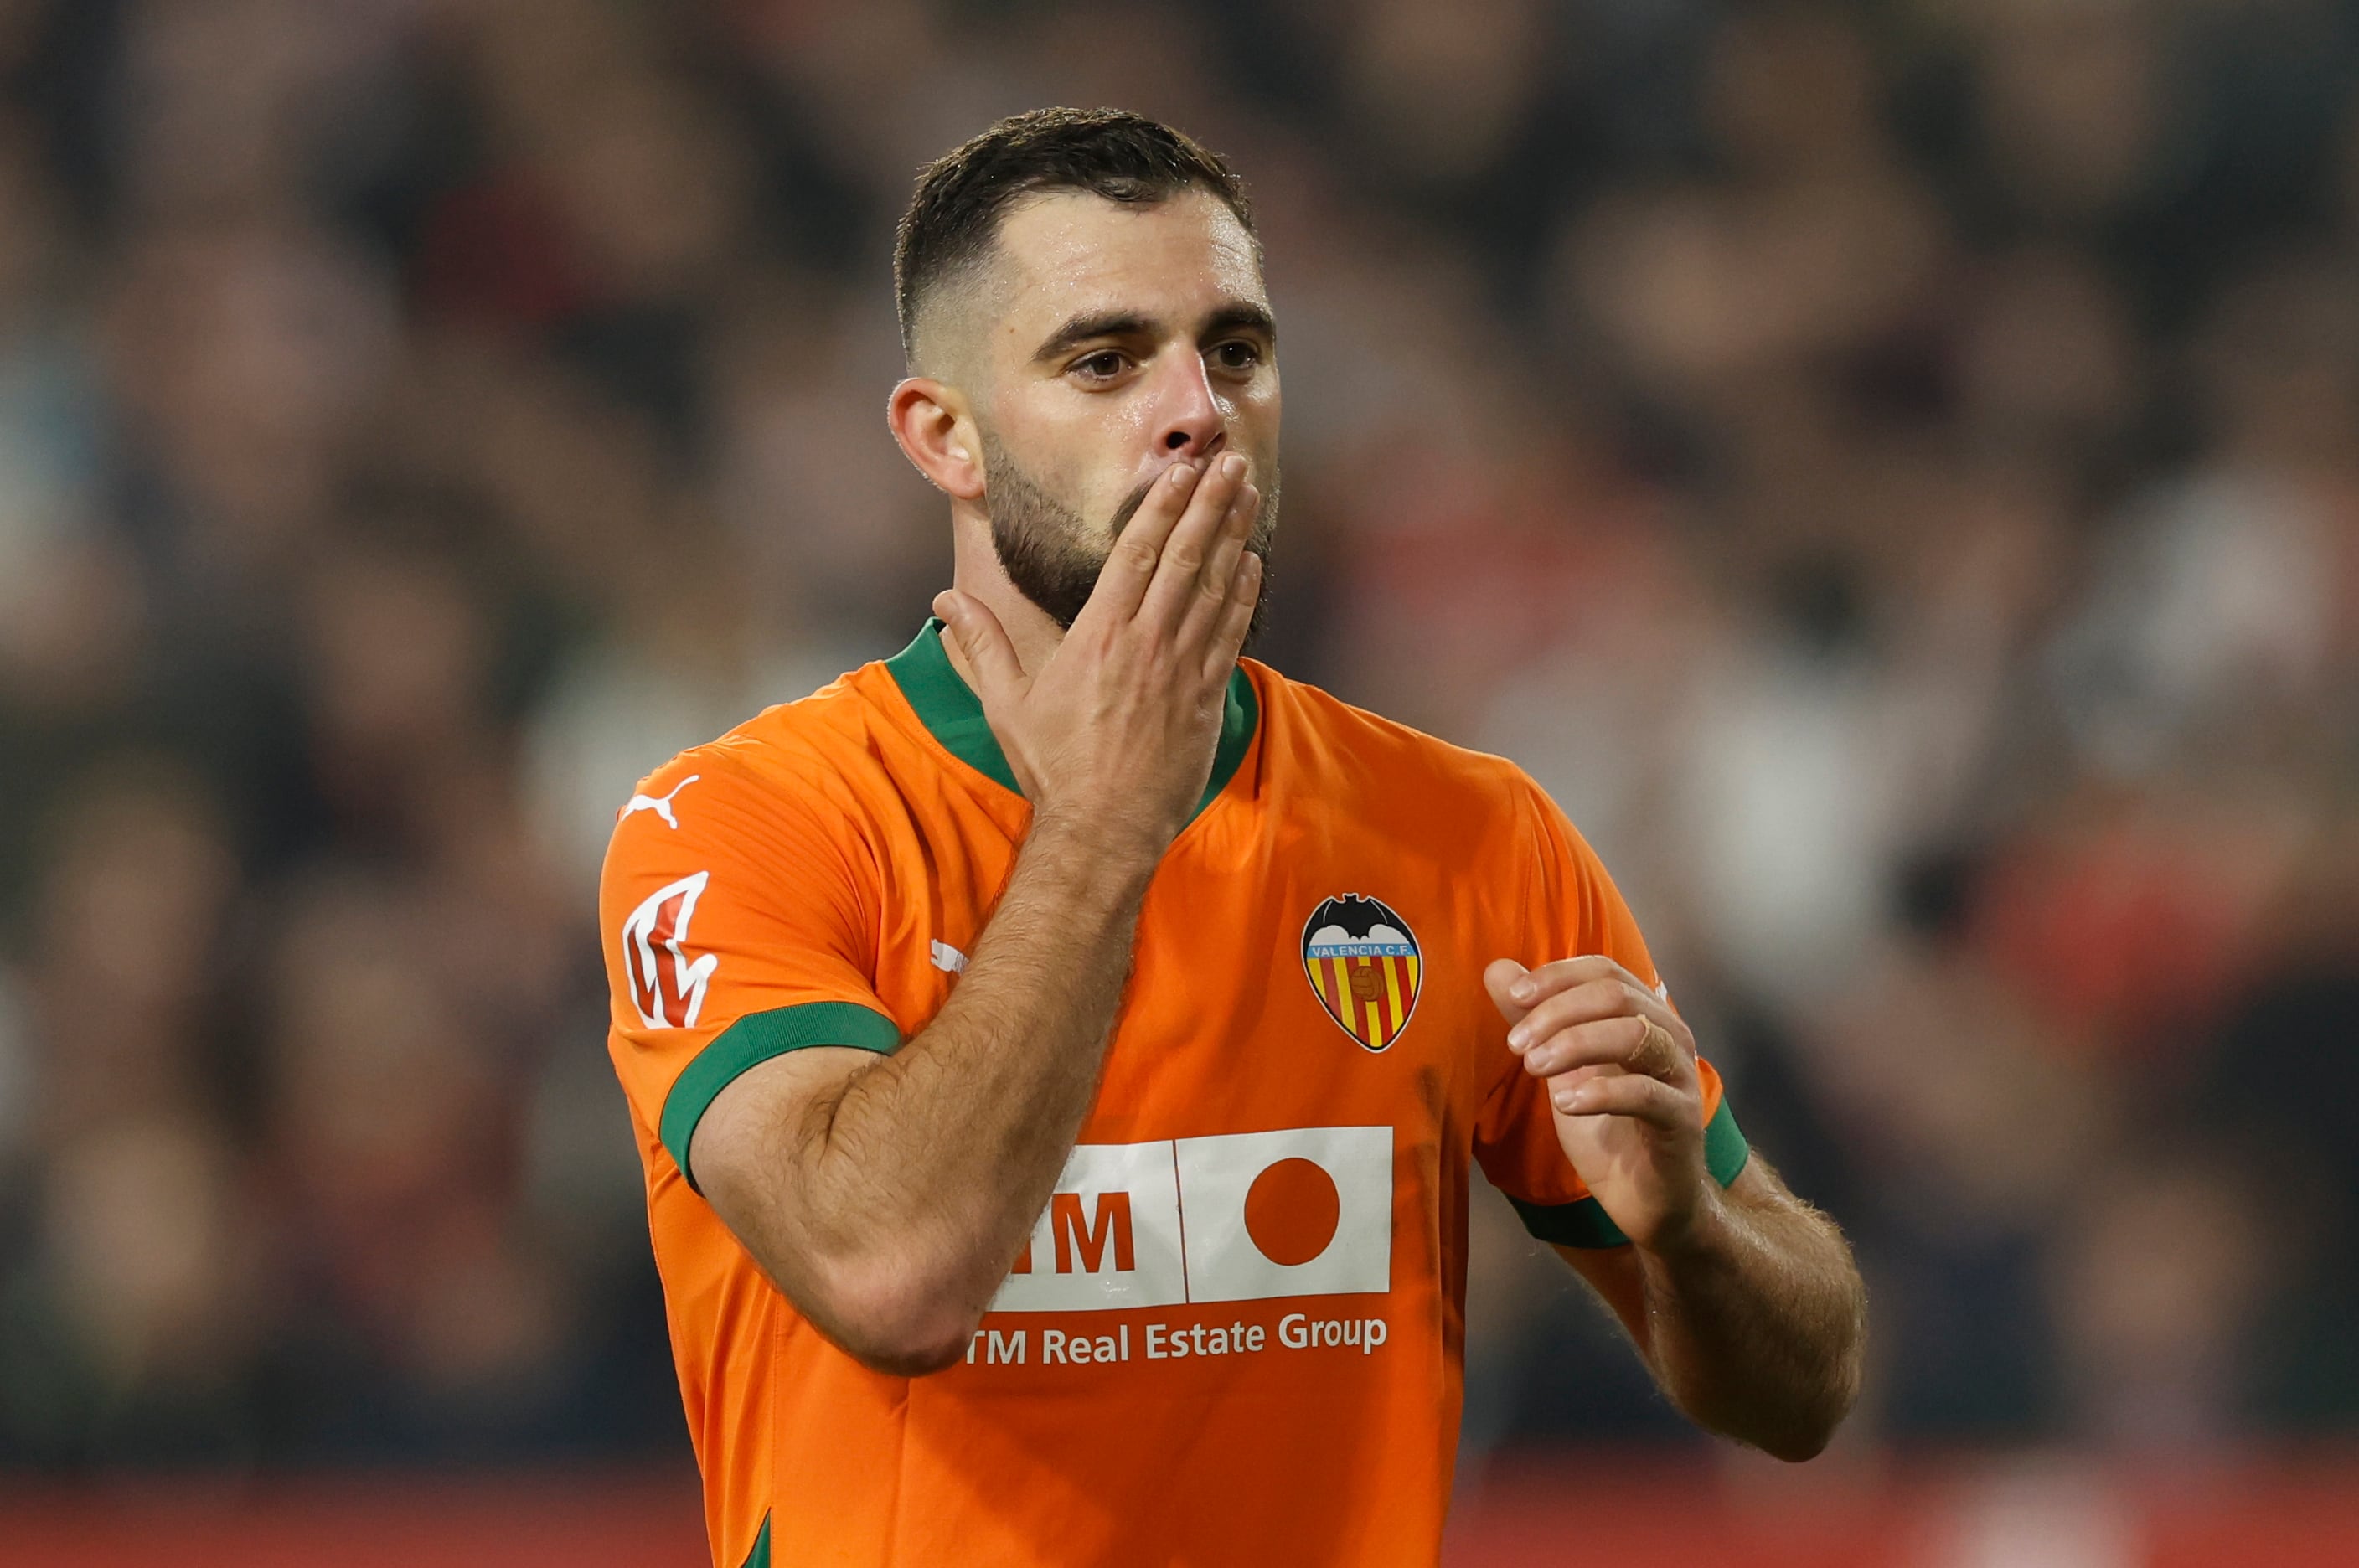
1291,1210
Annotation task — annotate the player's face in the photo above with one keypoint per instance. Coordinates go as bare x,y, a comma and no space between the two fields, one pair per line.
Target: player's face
1125,339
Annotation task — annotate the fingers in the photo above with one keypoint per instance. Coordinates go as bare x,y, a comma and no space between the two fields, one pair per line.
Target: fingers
1189,552
1540,1001
1131,565
1500,979
983,640
1660,1055
1216,585
1613,995
1611,1045
1566,973
1236,619
1515,990
1633,1044
1649,1100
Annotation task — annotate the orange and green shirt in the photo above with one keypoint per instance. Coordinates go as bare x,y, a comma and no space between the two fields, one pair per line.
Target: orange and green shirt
1235,1335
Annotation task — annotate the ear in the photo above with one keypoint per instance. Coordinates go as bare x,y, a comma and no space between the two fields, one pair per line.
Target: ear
936,432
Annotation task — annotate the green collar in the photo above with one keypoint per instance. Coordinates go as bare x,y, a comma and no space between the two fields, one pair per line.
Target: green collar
946,706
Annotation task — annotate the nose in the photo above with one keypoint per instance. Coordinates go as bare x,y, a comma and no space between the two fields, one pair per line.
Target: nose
1191,422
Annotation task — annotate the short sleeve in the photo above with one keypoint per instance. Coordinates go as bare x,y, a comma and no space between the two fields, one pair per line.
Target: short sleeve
1572,907
737,923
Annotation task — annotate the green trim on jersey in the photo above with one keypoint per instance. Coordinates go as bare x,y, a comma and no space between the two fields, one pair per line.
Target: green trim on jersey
948,707
1586,1223
754,1039
760,1556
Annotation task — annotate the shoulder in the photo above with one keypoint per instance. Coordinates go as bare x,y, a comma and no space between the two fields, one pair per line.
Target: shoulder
789,778
1314,731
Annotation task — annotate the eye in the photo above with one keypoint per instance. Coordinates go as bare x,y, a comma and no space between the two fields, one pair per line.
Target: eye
1102,366
1237,354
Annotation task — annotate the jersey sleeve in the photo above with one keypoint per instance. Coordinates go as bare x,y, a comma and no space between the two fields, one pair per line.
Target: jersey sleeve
1572,907
738,923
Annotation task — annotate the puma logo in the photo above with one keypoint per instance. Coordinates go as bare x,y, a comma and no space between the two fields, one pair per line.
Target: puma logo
660,805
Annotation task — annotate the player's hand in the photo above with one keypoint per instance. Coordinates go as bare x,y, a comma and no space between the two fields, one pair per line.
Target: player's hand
1114,732
1620,1068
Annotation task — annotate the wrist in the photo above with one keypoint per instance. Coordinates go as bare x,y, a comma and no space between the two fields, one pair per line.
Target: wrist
1091,857
1706,1233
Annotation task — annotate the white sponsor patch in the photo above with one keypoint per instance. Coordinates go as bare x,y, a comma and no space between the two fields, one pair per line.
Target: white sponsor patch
1241,1216
1110,1237
1229,1249
948,959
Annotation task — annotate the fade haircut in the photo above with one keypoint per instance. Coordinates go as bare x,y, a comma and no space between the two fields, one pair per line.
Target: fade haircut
953,217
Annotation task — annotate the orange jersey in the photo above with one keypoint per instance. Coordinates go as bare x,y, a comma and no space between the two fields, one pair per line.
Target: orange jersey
1235,1334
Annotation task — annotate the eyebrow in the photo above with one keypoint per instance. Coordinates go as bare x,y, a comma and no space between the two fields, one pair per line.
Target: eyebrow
1244,313
1079,330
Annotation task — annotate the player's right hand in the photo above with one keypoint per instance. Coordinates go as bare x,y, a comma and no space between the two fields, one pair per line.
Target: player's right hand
1114,732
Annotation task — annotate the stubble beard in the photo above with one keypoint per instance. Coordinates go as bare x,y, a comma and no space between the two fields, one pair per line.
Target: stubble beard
1054,559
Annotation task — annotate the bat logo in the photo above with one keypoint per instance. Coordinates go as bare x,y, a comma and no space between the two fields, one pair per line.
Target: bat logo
1364,966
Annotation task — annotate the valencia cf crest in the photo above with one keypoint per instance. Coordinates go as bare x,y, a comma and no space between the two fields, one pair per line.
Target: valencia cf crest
1364,962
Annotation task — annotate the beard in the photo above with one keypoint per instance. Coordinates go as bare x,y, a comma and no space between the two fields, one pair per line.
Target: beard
1054,559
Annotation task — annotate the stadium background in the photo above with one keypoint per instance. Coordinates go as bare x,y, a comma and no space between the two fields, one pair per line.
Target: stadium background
1890,471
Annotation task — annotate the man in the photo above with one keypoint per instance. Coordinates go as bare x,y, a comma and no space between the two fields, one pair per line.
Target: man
1058,1050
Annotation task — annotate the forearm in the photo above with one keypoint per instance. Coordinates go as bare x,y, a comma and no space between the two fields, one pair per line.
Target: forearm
888,1196
932,1163
1754,1322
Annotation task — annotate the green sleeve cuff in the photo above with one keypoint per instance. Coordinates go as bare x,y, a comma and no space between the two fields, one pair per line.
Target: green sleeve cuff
1585,1223
754,1039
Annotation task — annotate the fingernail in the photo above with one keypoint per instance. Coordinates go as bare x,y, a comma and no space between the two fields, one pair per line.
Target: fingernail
1181,473
1523,990
1518,1037
1233,466
1564,1099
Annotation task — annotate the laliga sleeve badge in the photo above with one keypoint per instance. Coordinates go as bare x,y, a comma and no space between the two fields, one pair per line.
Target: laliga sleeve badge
1363,965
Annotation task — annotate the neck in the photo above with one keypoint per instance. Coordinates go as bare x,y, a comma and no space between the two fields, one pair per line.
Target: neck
975,570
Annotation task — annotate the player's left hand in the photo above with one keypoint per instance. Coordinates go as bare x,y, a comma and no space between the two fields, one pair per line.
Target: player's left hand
1621,1072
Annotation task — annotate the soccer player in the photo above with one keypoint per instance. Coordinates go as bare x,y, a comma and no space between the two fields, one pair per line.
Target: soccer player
1058,1049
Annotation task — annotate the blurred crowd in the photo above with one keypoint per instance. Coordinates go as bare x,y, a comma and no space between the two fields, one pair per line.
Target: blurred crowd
1891,472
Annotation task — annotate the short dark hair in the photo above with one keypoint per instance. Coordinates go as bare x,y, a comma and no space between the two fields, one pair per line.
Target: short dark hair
953,216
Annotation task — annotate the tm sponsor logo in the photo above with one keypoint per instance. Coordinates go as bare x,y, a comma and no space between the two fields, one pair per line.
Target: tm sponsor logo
1174,1342
1194,1221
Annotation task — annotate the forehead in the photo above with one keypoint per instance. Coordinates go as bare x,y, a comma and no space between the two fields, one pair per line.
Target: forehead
1068,251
